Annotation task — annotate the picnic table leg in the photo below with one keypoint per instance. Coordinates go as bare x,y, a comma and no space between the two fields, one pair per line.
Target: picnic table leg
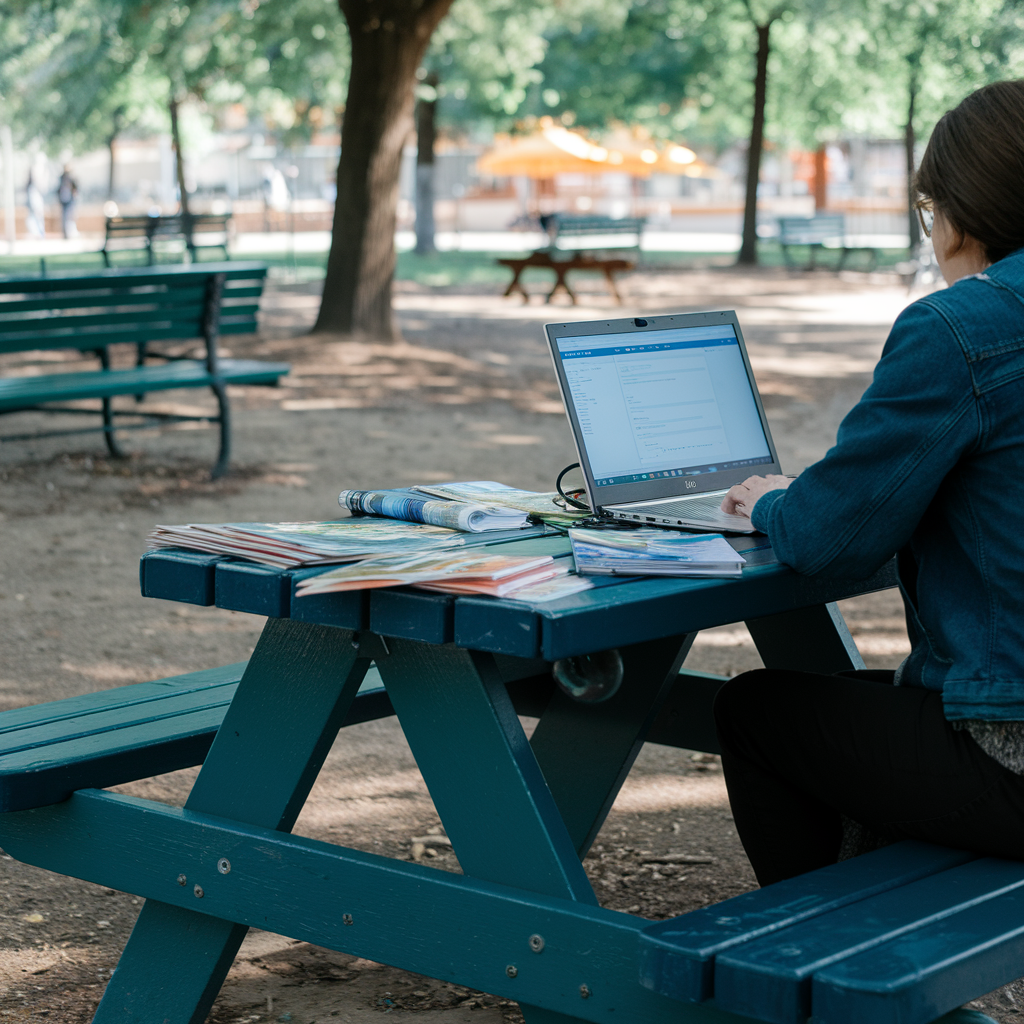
610,278
561,282
514,285
814,639
259,771
483,777
586,750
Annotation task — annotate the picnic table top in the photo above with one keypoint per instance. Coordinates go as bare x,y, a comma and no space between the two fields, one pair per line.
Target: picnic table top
616,612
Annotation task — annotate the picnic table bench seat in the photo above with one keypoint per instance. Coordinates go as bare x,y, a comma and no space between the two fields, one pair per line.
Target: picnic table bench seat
902,935
145,308
48,751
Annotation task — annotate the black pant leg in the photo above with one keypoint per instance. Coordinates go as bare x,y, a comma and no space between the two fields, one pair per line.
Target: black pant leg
801,750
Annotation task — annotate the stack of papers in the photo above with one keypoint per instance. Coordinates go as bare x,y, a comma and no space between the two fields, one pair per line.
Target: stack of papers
543,506
462,572
417,507
288,545
653,552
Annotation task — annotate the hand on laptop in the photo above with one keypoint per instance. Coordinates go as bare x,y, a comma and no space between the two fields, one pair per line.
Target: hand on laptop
742,498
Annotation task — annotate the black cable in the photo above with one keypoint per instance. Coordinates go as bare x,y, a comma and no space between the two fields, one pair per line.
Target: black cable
565,497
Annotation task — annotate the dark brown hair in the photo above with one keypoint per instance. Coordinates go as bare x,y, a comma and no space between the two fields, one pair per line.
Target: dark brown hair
973,168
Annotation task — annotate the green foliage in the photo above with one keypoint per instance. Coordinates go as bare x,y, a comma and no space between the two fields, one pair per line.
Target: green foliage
76,72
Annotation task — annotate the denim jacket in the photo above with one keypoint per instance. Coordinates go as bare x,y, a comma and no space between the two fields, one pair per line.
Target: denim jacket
929,466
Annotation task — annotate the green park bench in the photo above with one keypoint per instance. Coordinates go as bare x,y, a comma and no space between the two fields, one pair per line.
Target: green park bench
903,935
823,231
581,243
142,307
185,232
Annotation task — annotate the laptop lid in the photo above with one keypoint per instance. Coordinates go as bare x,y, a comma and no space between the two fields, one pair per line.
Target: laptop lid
661,406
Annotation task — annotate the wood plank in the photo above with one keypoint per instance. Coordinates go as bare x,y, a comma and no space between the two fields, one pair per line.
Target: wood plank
253,588
413,614
119,697
920,976
770,978
167,274
175,574
9,307
349,610
140,312
23,392
678,955
453,927
612,616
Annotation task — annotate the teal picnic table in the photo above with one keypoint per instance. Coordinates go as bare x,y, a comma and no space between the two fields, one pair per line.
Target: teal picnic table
522,921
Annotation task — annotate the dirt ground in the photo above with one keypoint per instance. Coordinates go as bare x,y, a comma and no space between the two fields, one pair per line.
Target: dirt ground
468,395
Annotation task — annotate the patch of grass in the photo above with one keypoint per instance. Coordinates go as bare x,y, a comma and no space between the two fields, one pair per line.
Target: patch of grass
444,269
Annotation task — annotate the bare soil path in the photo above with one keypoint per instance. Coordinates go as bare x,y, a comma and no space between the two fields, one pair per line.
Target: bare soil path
468,395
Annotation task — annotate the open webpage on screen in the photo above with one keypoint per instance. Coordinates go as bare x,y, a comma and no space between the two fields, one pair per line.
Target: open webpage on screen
666,405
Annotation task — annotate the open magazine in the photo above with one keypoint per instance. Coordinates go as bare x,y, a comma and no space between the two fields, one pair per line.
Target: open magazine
532,578
416,507
653,552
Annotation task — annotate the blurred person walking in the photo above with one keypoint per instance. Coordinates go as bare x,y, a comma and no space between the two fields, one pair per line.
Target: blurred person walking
67,192
35,217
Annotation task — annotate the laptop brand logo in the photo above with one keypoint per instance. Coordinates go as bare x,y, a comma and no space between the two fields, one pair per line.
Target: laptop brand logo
690,484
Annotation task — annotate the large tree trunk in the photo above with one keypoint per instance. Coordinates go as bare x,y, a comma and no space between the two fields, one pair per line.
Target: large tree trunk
909,140
748,250
426,136
179,158
388,38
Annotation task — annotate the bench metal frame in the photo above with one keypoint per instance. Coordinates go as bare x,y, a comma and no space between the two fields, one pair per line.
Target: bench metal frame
50,316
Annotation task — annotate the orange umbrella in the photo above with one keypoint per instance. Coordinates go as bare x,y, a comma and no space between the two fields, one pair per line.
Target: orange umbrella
556,150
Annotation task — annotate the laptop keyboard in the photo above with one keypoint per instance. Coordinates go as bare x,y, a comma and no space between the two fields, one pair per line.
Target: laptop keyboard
707,507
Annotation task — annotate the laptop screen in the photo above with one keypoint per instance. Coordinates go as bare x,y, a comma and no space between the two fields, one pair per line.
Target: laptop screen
662,411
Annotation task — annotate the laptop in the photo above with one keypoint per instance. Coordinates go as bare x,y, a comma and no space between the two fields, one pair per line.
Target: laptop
665,415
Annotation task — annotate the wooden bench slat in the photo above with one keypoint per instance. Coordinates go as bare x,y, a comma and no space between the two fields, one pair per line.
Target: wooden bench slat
94,339
123,300
36,744
187,314
170,275
770,978
677,956
918,977
23,392
119,697
103,739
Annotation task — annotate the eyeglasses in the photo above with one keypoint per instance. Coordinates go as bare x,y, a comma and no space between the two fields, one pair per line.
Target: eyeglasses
926,215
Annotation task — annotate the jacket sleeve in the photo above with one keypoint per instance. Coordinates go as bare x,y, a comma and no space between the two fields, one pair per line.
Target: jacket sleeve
848,514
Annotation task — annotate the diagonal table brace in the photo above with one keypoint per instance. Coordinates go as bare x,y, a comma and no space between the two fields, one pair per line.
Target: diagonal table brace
511,819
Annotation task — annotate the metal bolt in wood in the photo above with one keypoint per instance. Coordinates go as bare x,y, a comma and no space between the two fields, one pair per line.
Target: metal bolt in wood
198,891
224,865
511,970
537,943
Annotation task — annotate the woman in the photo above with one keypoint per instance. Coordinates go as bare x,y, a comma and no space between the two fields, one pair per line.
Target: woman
929,466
